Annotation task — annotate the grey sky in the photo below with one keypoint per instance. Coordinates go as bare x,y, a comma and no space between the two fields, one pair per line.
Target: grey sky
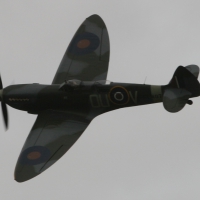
142,153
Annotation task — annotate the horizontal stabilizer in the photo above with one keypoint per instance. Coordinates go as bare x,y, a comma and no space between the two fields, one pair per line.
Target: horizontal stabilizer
194,69
175,99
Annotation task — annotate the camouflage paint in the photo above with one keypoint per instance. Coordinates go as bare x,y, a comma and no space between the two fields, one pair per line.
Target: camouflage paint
66,108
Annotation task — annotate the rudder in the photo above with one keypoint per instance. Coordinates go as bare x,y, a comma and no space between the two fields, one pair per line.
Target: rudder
183,85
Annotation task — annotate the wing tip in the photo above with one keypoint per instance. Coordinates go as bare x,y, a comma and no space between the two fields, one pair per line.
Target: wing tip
96,19
21,179
24,176
94,15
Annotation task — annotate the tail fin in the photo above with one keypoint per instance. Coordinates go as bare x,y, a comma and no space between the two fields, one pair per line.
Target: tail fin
194,69
183,85
185,79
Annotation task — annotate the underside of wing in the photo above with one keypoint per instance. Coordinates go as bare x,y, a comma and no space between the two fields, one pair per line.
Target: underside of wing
52,135
87,56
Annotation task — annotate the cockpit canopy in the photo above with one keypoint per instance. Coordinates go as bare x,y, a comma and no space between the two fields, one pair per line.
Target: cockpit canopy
73,83
103,82
76,84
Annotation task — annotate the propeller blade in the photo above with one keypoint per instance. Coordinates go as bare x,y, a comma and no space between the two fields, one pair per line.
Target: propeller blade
3,106
1,85
5,114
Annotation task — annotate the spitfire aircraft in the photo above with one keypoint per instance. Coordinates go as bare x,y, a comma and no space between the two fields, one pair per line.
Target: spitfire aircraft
79,92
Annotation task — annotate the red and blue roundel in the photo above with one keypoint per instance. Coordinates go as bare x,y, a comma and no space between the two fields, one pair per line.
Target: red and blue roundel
119,95
34,155
84,43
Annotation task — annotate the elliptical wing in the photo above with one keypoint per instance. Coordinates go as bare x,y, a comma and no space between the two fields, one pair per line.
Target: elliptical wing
52,135
87,56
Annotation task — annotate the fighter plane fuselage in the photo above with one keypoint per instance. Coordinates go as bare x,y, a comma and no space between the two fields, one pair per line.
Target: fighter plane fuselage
35,98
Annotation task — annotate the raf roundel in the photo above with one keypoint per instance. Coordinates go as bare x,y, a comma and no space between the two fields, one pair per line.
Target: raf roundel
84,43
34,155
119,95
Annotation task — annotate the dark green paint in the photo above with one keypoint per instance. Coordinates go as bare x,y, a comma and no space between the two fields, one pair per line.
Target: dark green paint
67,107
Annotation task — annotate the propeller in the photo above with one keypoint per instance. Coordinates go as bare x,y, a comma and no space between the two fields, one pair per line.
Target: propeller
3,106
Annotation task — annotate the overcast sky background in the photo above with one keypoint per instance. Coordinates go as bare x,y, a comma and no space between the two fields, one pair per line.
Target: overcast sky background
142,153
